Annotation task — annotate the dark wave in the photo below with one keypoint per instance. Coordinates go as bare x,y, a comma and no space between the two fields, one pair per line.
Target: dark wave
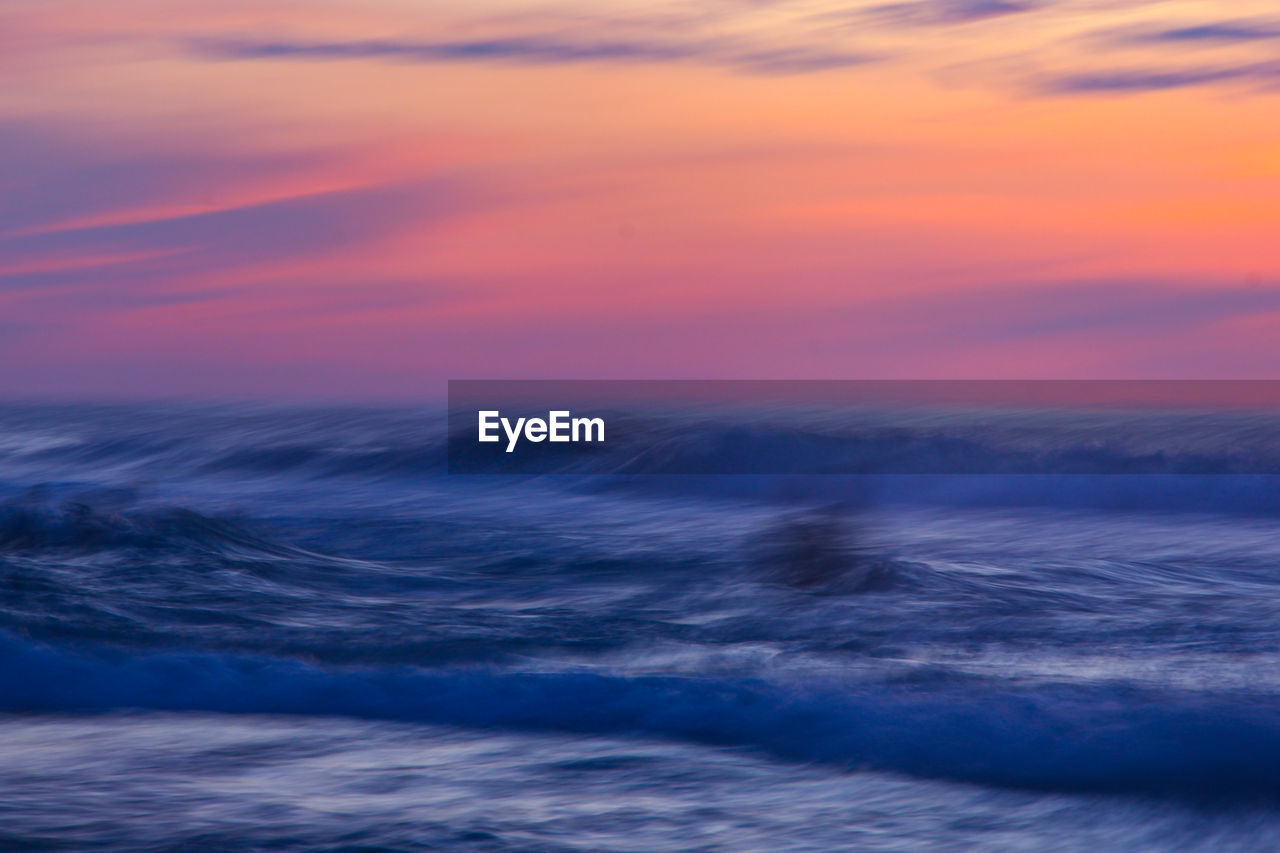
1189,462
1254,494
894,442
1082,740
34,525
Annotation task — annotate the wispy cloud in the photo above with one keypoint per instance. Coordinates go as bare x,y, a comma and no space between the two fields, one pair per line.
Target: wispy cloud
1156,56
945,12
545,50
51,177
1226,32
1153,79
1086,307
150,225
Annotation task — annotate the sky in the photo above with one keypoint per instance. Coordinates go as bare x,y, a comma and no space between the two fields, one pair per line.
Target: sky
358,199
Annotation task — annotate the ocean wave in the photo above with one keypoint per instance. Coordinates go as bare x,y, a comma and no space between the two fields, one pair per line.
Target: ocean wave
1097,739
1192,462
34,523
859,440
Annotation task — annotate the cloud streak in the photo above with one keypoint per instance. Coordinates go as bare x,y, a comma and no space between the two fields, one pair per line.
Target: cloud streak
543,50
946,12
774,56
1240,66
177,247
1228,32
89,227
1086,307
1140,80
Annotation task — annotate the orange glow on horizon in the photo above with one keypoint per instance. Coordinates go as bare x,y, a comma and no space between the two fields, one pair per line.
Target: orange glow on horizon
736,177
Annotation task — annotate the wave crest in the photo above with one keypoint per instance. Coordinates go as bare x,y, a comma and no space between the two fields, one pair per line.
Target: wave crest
1051,738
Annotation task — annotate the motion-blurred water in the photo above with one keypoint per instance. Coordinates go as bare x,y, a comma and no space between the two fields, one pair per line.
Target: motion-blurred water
263,628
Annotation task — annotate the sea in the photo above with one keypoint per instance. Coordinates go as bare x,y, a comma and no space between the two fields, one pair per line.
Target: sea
265,627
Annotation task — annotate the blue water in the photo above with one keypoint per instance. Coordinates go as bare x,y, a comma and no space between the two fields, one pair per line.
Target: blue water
270,628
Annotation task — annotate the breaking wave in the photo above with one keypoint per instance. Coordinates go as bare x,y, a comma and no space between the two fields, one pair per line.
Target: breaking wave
1104,740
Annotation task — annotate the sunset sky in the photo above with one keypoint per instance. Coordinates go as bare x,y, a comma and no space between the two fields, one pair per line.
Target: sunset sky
361,199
